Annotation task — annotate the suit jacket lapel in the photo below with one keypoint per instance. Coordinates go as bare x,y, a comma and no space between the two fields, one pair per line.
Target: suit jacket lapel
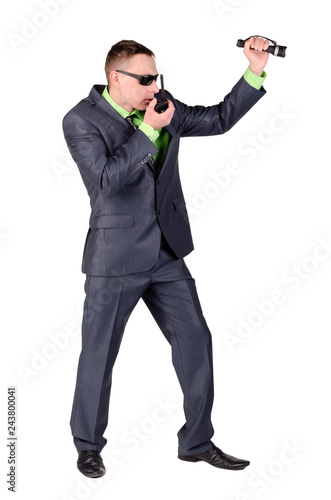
108,111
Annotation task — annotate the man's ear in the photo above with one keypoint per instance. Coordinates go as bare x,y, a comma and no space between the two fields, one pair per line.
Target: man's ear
114,79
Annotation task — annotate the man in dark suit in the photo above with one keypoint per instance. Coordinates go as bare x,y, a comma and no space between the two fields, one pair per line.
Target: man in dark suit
127,154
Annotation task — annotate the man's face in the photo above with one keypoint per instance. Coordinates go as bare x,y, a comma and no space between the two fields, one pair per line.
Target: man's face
131,93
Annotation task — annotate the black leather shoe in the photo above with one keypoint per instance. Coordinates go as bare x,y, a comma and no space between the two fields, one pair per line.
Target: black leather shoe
216,457
90,463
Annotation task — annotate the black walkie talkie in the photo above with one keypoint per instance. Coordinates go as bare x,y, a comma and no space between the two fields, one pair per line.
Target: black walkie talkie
162,104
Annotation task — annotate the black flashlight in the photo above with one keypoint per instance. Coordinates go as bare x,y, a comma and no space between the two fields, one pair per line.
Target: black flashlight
275,49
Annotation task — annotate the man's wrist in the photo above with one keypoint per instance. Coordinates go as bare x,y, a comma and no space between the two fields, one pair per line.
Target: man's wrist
149,131
253,79
256,70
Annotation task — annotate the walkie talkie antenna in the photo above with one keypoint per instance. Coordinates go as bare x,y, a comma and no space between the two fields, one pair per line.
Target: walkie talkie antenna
163,97
162,104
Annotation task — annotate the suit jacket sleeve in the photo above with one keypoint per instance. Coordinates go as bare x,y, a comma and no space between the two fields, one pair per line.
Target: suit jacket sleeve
106,171
218,119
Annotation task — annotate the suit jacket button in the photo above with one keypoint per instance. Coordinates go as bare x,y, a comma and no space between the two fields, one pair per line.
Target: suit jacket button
157,183
159,212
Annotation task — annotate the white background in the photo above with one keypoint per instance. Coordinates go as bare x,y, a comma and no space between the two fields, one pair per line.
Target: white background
272,384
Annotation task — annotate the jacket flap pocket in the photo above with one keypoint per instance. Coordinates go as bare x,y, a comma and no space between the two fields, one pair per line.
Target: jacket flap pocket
179,202
113,221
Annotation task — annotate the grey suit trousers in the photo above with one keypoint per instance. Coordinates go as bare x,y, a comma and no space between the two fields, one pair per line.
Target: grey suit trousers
169,292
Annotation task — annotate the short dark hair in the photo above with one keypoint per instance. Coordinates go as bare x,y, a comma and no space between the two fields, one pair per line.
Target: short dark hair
124,50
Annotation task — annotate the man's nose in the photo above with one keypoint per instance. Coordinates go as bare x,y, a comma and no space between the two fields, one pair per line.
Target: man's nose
155,89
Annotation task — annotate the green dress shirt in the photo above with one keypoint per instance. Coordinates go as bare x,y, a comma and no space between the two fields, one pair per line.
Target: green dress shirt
160,137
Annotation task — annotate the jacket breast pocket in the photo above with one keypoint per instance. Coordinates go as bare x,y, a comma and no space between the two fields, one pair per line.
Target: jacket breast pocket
115,221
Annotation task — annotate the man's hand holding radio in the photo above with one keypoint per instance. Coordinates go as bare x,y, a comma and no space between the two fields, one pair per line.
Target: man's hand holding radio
158,120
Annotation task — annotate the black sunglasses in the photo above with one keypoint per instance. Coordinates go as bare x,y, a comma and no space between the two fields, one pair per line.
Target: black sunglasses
143,79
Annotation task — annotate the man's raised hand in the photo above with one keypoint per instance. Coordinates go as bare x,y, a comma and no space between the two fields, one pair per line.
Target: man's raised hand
256,57
158,120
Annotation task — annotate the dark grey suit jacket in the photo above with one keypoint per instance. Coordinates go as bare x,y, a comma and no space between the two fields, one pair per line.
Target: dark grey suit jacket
130,203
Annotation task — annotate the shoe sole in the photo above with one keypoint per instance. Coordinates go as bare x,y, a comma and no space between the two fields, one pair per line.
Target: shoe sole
94,475
194,459
188,458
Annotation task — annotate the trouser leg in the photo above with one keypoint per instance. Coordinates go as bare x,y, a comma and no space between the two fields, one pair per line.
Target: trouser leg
108,304
176,308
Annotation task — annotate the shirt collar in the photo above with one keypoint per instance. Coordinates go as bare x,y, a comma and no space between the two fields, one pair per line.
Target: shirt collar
123,112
